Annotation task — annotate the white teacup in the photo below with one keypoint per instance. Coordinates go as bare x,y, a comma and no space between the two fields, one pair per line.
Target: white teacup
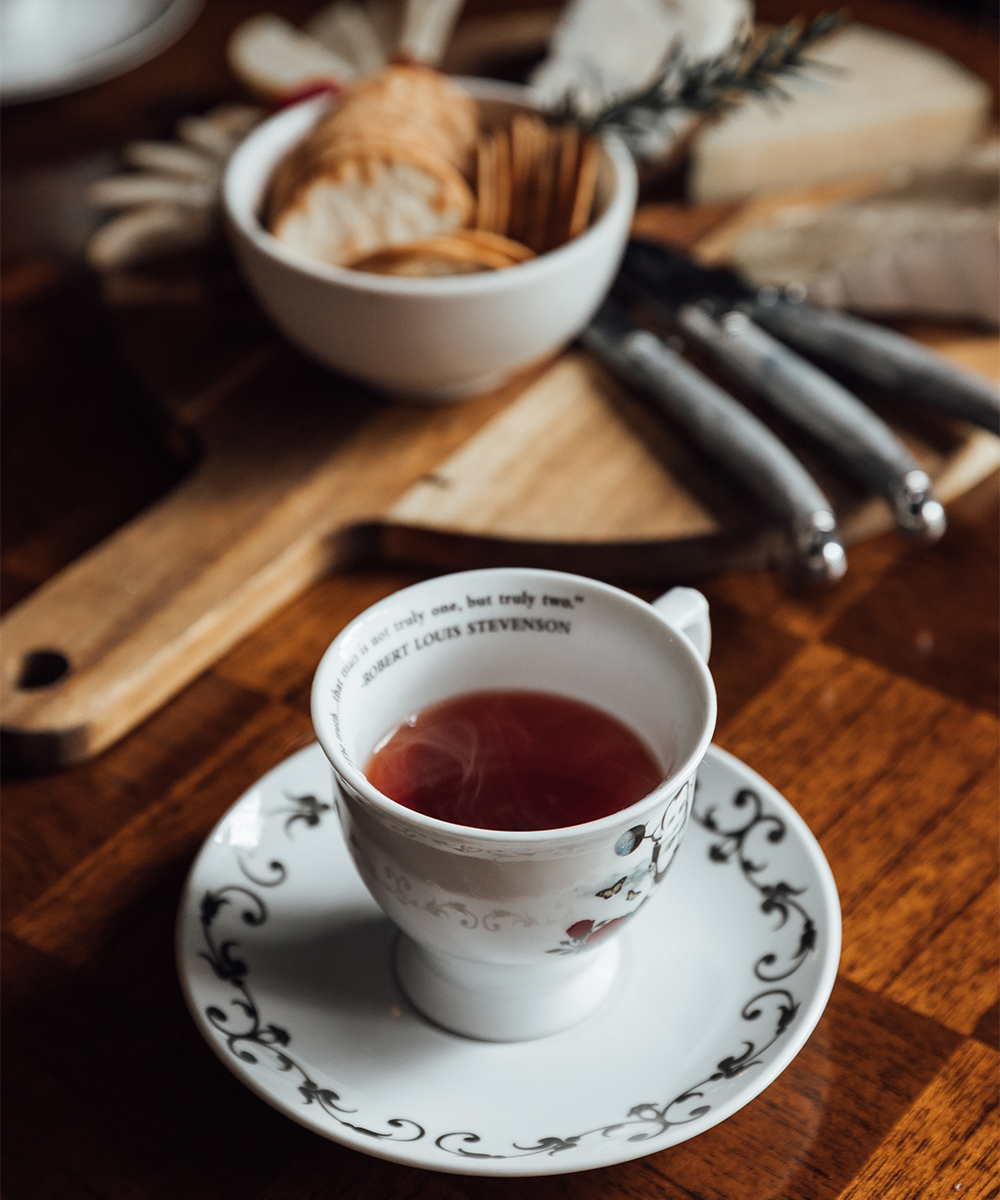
434,339
508,936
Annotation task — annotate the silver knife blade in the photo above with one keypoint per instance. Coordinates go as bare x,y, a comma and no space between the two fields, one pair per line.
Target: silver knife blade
728,432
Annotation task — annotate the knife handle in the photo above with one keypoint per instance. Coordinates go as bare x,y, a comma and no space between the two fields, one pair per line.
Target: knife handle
883,357
733,436
865,445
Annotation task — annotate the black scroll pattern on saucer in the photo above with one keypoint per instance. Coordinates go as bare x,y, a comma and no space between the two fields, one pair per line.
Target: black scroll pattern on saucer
776,1007
779,897
248,1037
307,809
646,1121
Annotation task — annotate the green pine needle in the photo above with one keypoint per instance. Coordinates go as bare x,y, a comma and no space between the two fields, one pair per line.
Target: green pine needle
750,67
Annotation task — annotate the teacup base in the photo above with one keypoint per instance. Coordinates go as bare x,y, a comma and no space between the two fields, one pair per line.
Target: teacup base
504,1002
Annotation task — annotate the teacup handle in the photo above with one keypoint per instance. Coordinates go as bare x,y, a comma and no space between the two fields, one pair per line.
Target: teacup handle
686,609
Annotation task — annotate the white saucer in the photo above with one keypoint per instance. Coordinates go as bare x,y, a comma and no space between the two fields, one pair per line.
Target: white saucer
48,47
285,962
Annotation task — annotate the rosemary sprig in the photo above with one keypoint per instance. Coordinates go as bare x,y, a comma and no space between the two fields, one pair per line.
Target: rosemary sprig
751,66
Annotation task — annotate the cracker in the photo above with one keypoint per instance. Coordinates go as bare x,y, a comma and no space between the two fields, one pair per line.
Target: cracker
586,183
421,265
287,179
526,138
366,204
402,106
485,184
546,168
457,253
419,260
562,207
460,247
515,251
413,113
370,121
454,192
402,145
502,180
421,89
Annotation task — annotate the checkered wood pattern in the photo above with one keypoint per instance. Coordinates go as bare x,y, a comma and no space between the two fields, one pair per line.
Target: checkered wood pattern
872,707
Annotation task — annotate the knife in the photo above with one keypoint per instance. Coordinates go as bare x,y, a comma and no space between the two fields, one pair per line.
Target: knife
865,350
727,431
880,356
865,446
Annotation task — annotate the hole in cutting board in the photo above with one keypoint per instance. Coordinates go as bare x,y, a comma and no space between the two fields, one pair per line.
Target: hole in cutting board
42,668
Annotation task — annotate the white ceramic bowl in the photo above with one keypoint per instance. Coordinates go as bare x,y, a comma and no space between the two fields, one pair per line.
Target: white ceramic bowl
437,338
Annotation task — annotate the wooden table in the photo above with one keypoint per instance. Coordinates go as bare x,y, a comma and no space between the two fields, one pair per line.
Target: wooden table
871,707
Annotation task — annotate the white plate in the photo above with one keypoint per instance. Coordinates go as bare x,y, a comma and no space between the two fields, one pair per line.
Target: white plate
48,47
285,962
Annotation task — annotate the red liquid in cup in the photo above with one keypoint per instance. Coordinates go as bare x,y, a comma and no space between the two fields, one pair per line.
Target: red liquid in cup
514,760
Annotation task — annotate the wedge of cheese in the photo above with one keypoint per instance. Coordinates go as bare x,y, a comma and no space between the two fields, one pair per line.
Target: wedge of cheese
927,248
887,102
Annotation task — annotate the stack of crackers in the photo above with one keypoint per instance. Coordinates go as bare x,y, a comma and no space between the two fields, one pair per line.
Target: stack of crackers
535,182
398,179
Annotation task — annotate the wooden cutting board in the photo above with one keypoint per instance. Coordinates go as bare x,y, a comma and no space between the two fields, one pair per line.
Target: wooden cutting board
301,473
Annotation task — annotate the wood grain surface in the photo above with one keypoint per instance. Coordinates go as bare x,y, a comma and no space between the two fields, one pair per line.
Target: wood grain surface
300,472
872,707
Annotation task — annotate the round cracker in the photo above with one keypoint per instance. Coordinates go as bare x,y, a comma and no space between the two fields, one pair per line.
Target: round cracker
408,119
423,89
367,205
406,114
346,150
363,123
289,176
464,249
515,251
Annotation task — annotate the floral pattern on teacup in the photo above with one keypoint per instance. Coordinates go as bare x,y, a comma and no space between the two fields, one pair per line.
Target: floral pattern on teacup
582,935
640,882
